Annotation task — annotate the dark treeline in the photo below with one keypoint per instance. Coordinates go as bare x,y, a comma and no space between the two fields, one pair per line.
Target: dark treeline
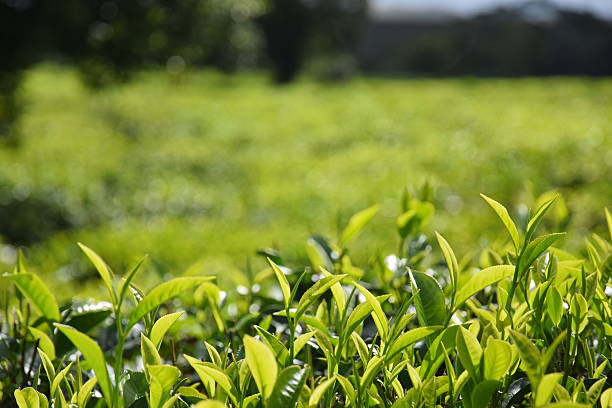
536,39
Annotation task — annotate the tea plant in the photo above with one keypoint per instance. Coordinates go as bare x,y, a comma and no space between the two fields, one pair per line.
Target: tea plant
523,324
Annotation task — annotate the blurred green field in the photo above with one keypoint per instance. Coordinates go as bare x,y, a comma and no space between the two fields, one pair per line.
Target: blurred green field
207,168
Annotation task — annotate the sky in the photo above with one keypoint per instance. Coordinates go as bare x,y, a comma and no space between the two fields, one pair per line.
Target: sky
467,7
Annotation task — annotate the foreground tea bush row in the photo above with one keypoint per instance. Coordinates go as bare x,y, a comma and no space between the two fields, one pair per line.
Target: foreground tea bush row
523,324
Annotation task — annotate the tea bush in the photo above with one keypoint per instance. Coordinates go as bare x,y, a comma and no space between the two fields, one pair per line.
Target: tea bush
523,323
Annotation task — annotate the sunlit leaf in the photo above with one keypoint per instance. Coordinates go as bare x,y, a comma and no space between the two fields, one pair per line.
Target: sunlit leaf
93,355
162,325
37,293
319,391
497,359
502,213
262,364
429,300
481,280
356,224
103,270
282,281
162,293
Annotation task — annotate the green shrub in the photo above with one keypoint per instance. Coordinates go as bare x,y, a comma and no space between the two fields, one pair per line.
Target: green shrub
525,323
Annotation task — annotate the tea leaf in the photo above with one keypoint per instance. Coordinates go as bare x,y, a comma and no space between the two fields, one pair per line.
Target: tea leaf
377,313
282,281
37,293
429,299
318,392
536,248
497,359
451,260
481,280
469,352
209,370
356,224
315,291
482,393
103,270
288,387
554,305
502,213
535,220
530,355
162,325
546,388
262,364
408,338
337,292
162,293
93,355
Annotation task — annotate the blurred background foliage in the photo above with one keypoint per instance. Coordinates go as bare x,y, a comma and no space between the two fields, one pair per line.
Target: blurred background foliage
152,126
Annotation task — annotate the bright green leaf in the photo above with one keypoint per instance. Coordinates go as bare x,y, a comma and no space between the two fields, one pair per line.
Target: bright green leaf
262,364
37,293
162,293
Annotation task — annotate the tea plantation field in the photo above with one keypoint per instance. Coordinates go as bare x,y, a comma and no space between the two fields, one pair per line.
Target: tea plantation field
203,170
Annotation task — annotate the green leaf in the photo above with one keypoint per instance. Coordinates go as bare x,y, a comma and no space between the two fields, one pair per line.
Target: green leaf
481,395
415,218
546,388
148,351
103,270
429,300
349,390
408,338
530,355
37,293
210,371
30,398
372,368
481,280
163,378
45,343
359,314
162,325
337,293
469,352
497,359
606,398
319,391
125,284
47,364
58,379
84,393
535,220
451,260
609,222
554,304
377,313
288,387
595,391
209,404
93,355
282,281
535,248
162,293
356,224
502,213
565,405
280,351
315,291
262,364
